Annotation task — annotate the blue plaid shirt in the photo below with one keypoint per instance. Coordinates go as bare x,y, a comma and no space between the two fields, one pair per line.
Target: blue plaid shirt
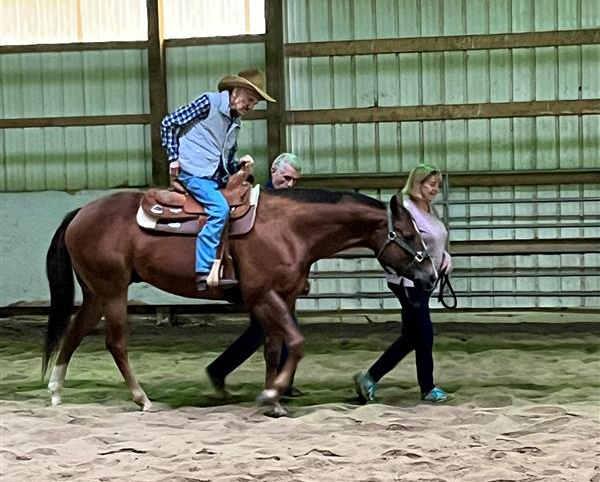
172,123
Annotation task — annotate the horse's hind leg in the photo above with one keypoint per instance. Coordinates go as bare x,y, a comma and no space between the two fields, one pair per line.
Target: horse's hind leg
115,311
85,321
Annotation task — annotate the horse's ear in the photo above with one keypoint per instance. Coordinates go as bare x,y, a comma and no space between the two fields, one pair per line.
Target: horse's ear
394,204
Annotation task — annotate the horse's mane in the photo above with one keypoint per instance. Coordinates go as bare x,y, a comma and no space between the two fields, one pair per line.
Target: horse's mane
325,196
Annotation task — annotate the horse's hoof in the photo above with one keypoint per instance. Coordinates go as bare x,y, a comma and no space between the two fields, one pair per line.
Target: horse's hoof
269,396
143,402
276,411
56,400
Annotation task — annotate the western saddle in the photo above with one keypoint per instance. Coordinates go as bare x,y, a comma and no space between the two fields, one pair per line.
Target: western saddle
175,211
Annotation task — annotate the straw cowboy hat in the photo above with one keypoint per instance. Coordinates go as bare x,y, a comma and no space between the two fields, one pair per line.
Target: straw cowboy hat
252,79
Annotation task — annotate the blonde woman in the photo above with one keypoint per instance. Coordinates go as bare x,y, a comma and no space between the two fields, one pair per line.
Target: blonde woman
421,188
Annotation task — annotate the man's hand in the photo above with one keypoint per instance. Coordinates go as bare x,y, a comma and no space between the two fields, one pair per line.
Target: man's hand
174,168
246,162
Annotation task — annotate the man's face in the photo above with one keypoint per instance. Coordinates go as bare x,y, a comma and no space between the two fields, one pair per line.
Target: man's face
284,176
242,101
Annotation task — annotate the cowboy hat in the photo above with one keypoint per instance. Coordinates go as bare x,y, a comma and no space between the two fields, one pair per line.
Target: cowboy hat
252,79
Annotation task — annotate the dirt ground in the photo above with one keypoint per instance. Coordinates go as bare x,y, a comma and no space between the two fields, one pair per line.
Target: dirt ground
526,407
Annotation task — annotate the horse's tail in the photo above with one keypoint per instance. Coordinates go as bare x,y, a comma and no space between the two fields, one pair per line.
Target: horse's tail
59,270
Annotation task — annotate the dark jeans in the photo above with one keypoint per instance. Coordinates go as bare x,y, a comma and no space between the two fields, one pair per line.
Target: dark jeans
417,334
242,349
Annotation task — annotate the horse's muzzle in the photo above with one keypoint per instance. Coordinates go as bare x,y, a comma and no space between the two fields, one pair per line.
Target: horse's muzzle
426,283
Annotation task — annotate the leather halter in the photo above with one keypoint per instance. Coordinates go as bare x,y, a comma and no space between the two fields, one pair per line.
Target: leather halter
394,237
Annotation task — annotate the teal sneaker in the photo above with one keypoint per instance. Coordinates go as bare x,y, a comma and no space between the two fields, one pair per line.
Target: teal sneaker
365,386
437,395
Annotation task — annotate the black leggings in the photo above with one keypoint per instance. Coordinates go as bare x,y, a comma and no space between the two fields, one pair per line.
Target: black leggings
417,334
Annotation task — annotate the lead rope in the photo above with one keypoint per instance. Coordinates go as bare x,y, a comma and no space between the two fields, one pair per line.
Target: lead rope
444,282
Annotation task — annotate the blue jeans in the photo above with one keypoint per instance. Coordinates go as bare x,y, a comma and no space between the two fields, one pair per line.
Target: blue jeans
206,191
417,335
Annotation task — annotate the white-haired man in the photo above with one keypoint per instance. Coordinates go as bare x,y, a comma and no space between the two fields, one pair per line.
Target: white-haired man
285,173
202,137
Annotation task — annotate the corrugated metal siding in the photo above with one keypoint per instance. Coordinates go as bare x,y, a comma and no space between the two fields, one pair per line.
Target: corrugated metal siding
74,84
443,78
194,70
566,142
564,280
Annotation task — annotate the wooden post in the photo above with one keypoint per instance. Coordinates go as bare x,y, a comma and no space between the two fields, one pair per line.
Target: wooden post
157,86
275,72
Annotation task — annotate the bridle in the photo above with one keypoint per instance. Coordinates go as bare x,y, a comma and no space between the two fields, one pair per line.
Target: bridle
418,257
394,237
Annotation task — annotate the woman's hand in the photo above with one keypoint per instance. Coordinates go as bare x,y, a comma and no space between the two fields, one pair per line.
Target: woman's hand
447,263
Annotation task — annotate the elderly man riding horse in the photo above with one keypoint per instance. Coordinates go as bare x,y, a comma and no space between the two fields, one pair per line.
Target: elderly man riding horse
202,137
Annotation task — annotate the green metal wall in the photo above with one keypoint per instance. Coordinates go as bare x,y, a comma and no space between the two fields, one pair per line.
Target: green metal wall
74,84
482,76
104,83
506,75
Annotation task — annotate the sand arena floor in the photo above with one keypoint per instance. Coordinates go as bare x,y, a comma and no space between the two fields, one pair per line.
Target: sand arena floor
526,407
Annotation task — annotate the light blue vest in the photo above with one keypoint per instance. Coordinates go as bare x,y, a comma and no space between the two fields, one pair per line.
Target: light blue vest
211,141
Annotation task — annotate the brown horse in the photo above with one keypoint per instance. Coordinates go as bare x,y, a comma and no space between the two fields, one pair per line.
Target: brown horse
108,251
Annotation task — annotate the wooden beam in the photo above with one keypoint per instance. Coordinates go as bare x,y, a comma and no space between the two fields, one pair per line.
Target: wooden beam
491,110
94,120
73,47
157,86
223,40
276,132
73,121
456,179
256,115
443,44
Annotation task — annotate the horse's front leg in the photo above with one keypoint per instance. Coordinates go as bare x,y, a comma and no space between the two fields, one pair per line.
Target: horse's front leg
272,354
278,326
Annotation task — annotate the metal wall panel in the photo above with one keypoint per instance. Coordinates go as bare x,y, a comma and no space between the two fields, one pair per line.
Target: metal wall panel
74,84
549,73
479,213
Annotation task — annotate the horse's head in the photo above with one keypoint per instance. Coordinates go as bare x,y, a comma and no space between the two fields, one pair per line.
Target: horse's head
402,251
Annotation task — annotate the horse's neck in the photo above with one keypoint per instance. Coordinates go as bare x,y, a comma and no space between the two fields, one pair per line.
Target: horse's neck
331,228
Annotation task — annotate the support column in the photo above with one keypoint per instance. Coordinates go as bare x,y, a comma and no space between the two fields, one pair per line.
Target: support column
157,86
275,72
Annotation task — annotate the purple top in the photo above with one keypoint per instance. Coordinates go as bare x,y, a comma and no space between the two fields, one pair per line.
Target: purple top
434,236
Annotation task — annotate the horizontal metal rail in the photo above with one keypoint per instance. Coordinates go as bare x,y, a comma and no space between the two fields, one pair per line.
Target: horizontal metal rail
459,294
456,179
462,273
524,226
459,202
502,247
